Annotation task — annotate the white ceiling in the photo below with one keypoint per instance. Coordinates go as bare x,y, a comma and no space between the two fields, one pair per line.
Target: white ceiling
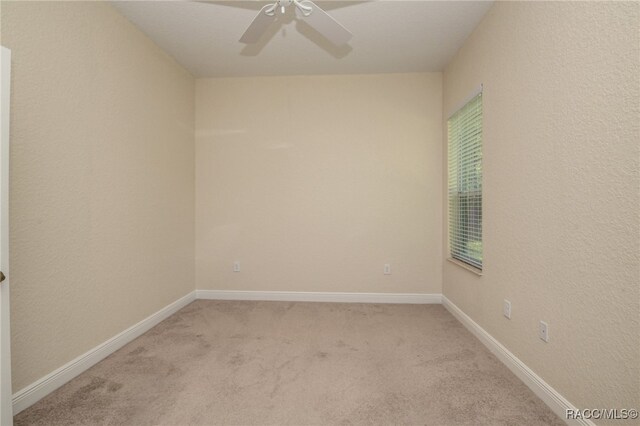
389,36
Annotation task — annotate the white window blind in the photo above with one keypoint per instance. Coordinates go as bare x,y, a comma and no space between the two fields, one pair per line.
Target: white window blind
465,182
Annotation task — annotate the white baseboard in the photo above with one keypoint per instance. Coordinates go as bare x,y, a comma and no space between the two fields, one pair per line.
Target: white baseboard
300,296
542,389
52,381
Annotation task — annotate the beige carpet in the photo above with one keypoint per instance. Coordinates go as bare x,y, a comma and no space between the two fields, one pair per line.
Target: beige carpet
249,363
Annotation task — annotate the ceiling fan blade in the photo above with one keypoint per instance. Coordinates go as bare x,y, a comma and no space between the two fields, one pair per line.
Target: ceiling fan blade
322,22
259,25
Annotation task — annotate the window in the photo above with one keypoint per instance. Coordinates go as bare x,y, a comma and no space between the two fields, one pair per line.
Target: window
464,129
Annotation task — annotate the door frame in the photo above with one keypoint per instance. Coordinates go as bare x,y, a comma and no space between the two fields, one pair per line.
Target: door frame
6,409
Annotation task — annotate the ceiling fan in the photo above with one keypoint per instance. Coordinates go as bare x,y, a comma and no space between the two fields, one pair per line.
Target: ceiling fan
306,10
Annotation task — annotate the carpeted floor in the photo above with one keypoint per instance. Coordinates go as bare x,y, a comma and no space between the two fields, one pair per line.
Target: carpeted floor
249,363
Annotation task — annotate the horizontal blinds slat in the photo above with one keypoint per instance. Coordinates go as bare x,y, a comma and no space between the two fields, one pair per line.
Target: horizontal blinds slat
465,182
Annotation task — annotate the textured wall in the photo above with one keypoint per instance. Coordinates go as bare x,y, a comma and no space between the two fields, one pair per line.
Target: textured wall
561,192
102,180
313,183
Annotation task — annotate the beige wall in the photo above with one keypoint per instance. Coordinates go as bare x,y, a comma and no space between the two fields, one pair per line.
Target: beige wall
314,183
561,192
102,180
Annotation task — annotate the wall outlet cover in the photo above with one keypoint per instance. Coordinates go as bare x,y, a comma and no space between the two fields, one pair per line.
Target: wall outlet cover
506,308
543,331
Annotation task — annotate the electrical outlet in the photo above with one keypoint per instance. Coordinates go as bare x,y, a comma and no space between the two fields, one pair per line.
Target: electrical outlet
543,331
506,308
236,266
387,269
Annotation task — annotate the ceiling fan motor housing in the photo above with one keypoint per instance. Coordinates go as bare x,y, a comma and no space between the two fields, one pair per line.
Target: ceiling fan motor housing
284,4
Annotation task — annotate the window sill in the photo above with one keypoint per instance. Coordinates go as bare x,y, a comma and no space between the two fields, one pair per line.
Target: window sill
465,266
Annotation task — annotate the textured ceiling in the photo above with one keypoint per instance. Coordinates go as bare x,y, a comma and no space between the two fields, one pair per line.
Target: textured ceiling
389,36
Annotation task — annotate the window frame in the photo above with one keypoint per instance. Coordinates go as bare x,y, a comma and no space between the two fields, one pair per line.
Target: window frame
451,255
